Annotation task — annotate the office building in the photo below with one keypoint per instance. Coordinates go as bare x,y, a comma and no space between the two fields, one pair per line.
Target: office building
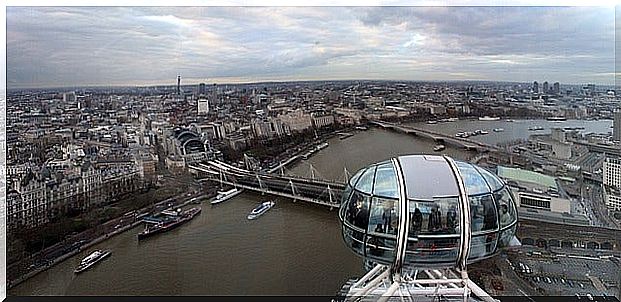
203,106
69,97
202,88
616,126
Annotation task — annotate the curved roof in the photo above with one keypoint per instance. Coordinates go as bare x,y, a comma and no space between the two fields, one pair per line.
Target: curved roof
425,176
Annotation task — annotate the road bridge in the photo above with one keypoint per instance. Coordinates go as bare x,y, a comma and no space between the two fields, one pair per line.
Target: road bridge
466,143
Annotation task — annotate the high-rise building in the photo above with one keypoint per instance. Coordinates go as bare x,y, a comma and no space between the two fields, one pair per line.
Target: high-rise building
611,172
214,94
178,84
203,106
545,87
616,126
69,97
556,88
201,88
535,87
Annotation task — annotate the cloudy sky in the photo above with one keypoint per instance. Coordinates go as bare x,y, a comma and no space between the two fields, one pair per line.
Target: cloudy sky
72,46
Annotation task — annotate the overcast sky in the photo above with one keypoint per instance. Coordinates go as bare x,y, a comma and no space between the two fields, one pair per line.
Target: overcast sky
73,46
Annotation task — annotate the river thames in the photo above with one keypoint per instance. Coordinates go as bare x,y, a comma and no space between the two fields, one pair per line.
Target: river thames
294,249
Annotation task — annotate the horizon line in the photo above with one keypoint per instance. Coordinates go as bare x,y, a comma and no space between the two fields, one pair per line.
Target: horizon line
210,83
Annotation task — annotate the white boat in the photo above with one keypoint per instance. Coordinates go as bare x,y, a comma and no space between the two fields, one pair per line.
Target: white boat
488,118
439,148
91,259
498,130
323,145
260,209
432,122
223,196
483,132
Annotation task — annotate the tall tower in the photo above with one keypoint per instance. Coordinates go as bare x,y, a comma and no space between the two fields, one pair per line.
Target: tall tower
616,126
546,88
535,87
178,84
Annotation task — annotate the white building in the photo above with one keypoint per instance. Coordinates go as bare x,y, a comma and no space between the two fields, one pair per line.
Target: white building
320,121
297,121
612,172
203,106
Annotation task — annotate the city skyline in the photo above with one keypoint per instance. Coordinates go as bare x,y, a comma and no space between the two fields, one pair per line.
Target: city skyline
117,46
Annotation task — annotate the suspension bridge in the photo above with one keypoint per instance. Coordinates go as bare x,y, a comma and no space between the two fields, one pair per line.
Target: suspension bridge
276,181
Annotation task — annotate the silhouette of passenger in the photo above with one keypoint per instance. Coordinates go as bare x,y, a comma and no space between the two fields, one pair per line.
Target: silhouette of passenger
387,218
505,218
451,218
489,219
379,229
434,219
417,220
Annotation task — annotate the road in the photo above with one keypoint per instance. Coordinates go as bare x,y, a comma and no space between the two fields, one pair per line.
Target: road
593,201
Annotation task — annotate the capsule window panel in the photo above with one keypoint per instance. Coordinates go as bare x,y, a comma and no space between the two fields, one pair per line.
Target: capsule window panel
365,183
482,246
384,218
346,193
506,208
358,210
380,248
354,179
492,180
483,213
474,182
432,251
440,216
386,181
506,236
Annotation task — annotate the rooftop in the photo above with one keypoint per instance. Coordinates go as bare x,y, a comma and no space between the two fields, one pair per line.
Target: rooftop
520,175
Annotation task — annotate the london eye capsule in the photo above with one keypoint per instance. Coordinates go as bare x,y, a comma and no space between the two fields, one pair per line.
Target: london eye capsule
426,211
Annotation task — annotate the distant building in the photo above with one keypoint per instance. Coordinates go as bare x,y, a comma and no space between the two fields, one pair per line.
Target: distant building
202,106
269,128
559,135
616,126
37,196
556,88
535,190
69,97
611,171
297,121
202,88
320,121
535,87
178,85
545,87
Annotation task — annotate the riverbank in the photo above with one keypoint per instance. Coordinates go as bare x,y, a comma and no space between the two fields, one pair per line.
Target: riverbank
121,225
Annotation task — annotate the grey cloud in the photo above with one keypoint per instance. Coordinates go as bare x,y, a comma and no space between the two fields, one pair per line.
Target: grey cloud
63,46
